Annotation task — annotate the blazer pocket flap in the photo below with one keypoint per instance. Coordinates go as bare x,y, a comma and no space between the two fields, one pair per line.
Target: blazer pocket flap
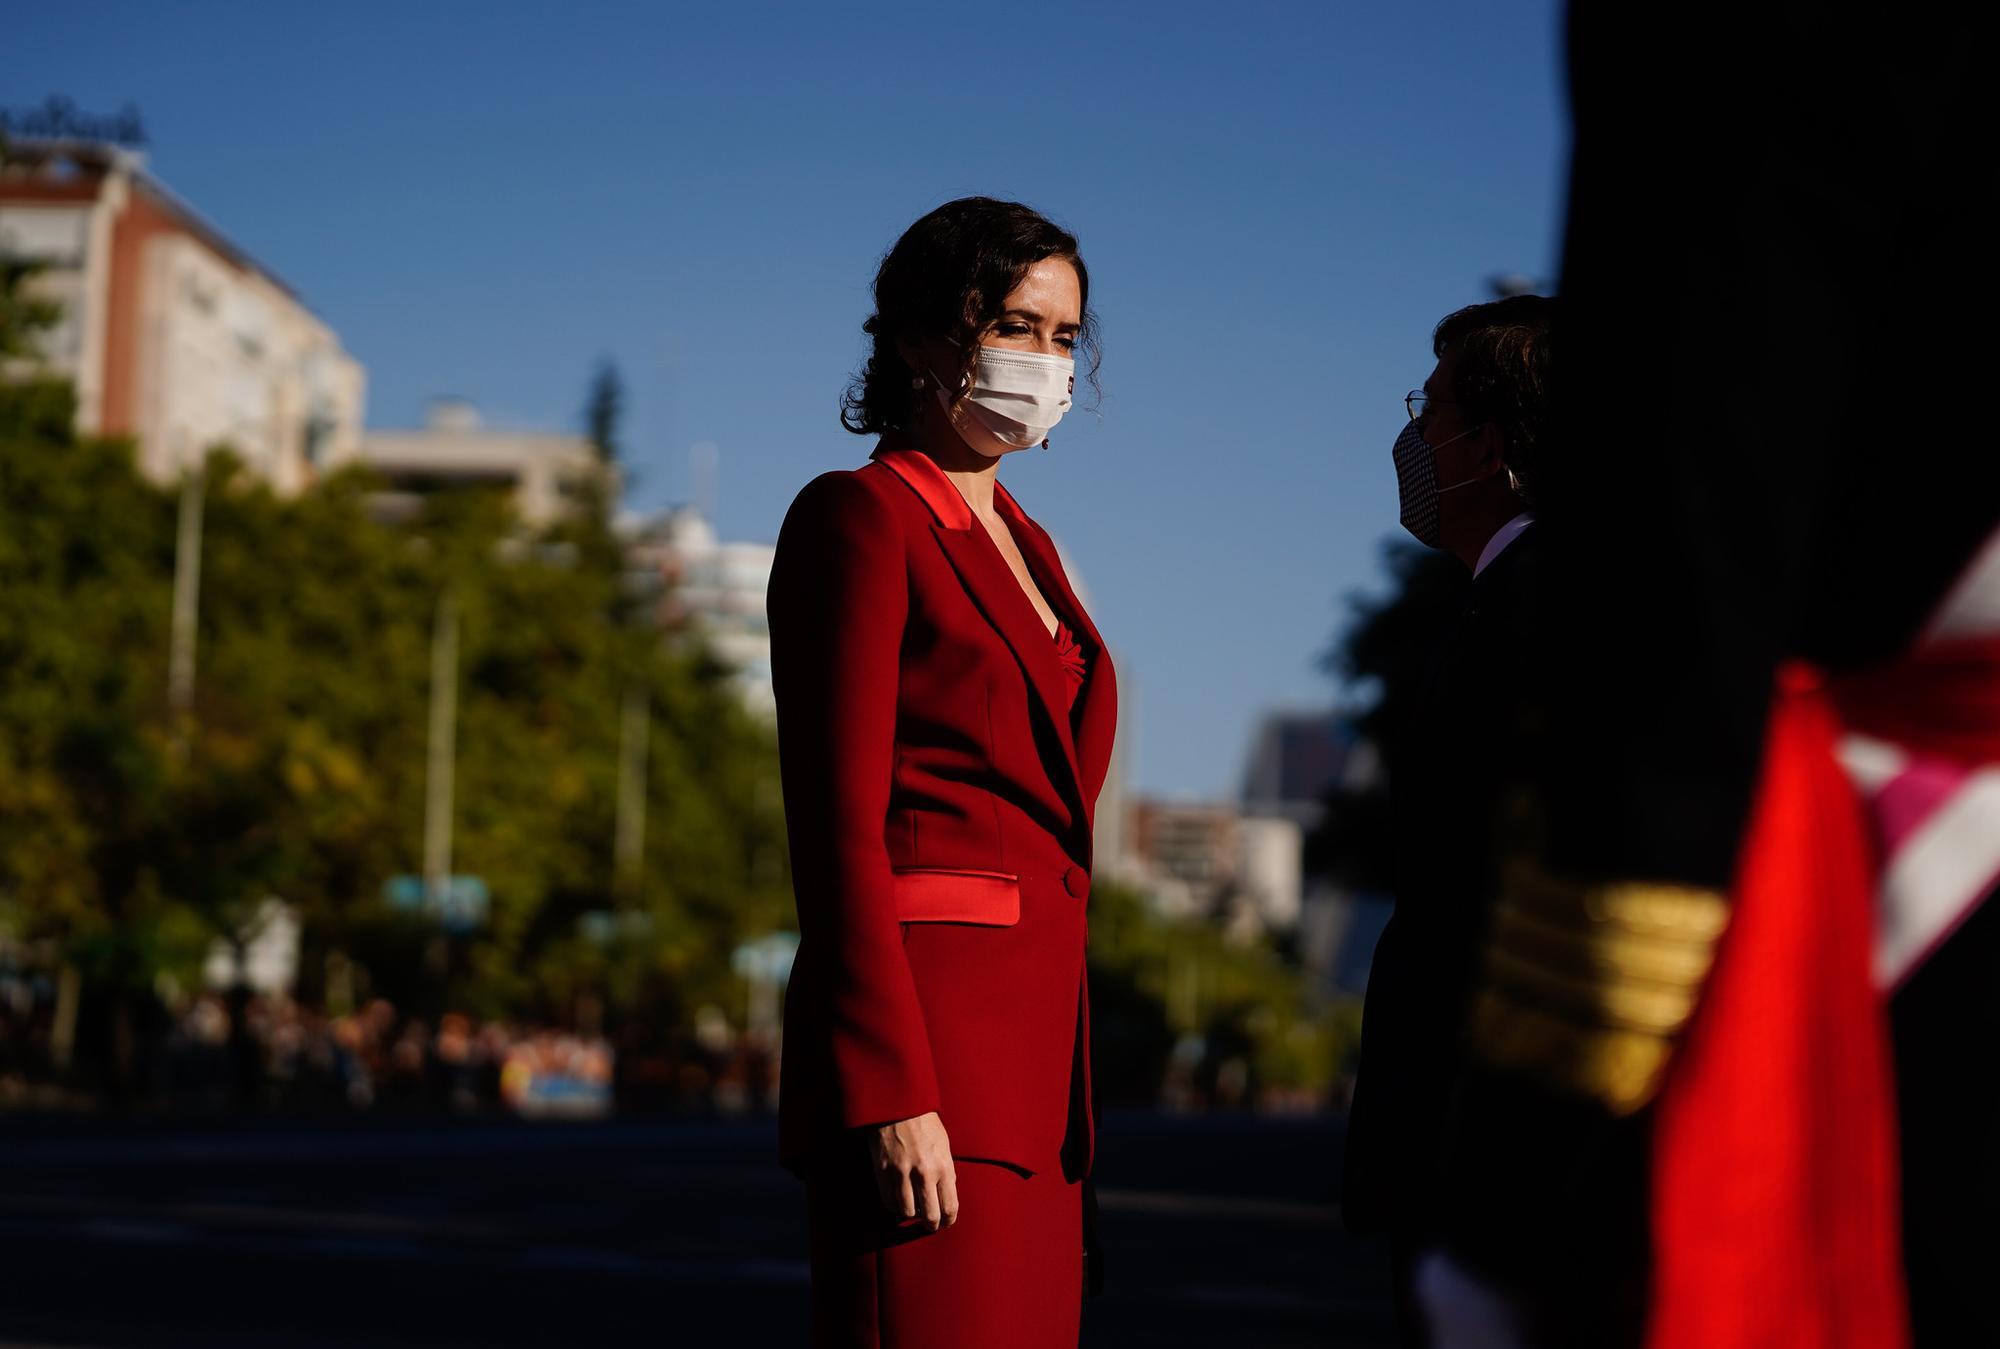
940,895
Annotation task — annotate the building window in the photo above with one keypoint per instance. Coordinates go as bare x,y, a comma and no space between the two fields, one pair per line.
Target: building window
318,435
200,296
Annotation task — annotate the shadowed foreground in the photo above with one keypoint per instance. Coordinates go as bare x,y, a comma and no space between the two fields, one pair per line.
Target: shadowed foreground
420,1233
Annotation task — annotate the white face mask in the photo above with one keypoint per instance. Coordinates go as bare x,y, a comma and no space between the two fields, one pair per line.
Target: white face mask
1017,397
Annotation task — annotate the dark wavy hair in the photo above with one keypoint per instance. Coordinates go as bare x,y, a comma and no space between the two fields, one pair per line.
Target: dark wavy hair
948,276
1505,357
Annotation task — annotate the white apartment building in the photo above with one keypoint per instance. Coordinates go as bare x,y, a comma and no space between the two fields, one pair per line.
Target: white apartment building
712,588
171,333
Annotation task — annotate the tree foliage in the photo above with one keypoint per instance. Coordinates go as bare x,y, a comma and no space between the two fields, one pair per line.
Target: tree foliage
603,410
1160,985
127,848
24,316
1384,655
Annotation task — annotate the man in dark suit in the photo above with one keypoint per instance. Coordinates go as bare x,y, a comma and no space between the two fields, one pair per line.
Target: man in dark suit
1468,470
1775,313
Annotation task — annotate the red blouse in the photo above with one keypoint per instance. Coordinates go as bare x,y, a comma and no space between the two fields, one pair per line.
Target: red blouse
1070,652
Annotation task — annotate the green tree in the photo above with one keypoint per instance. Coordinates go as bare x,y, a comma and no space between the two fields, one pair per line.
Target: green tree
603,410
1156,981
128,848
32,404
1384,656
304,777
24,316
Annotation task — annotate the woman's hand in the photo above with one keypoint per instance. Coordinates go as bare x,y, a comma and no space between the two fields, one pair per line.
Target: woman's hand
914,1171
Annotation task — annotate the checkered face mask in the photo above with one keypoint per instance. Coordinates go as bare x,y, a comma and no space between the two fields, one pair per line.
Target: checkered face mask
1417,482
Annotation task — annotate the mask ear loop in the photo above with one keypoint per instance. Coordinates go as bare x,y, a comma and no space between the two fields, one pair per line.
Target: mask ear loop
1071,391
964,383
943,402
1469,481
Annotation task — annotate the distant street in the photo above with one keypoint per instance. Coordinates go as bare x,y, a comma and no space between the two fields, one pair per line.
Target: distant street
393,1233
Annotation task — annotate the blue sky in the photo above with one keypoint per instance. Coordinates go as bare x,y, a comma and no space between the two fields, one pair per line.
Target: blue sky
1276,202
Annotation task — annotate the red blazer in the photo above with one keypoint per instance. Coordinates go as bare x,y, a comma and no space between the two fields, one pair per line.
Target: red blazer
938,794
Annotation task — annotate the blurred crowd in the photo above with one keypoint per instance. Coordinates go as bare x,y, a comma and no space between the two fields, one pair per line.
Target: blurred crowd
242,1050
224,1051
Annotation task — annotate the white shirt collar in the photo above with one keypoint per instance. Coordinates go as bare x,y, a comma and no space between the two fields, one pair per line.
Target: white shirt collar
1503,536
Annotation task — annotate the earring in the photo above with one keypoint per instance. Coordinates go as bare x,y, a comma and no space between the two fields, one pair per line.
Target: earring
917,382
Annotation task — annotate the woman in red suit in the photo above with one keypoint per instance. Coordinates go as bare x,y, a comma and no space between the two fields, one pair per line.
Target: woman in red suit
945,716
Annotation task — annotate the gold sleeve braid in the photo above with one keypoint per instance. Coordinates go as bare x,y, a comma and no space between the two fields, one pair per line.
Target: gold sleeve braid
1586,986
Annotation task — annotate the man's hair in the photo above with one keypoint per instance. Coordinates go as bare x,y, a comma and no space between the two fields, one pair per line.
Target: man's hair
1503,374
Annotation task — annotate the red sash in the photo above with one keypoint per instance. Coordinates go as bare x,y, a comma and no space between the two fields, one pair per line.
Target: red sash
1943,702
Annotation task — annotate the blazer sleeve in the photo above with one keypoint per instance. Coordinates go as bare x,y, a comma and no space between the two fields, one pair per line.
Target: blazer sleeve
839,596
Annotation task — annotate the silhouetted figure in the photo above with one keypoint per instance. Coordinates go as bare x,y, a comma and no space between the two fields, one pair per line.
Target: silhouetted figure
1468,469
1772,464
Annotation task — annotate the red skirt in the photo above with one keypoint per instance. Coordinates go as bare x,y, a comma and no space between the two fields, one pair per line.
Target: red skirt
1007,1275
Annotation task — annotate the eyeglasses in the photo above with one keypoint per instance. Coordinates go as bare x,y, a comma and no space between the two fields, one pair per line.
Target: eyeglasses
1416,402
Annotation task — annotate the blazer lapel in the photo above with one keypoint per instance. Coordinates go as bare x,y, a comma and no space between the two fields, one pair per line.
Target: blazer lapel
1096,715
988,580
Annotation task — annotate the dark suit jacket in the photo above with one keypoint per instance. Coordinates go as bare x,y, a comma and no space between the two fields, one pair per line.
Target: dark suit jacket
1449,772
938,794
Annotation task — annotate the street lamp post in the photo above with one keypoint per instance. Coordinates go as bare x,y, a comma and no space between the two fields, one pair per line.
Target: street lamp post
187,602
629,842
187,588
440,765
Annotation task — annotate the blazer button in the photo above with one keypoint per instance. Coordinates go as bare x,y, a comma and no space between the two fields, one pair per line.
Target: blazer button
1077,881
